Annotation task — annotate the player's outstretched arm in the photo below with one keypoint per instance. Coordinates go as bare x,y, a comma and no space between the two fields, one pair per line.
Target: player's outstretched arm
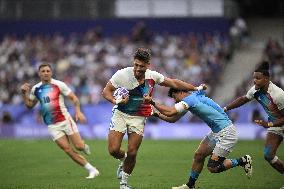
78,113
237,103
178,84
25,91
166,110
171,119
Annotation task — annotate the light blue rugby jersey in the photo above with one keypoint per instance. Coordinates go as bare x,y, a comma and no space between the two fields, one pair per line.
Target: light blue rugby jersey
207,110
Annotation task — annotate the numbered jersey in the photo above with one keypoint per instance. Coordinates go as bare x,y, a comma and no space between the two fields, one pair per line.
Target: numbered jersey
51,99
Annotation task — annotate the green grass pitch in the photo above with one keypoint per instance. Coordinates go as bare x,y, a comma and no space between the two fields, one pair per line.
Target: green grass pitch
40,164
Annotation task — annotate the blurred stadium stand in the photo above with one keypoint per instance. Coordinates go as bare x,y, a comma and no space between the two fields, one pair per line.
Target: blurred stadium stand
87,41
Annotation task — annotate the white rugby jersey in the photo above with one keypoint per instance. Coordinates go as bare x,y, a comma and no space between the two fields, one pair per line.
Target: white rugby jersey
125,78
272,101
51,100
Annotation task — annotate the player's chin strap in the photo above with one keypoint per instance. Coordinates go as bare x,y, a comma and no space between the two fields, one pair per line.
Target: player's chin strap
274,160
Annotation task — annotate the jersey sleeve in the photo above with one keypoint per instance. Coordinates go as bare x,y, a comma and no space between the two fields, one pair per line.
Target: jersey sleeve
117,79
250,93
65,90
280,101
157,77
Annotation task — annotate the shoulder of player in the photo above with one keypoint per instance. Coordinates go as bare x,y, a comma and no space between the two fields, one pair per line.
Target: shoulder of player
150,73
252,90
275,91
57,82
124,71
36,86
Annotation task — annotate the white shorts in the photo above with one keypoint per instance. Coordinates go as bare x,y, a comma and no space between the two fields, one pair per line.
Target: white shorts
67,127
123,123
276,130
224,141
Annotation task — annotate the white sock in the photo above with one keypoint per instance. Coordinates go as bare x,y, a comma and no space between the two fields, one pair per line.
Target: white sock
124,178
89,167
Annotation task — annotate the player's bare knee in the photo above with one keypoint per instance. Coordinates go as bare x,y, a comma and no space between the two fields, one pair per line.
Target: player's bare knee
132,152
113,152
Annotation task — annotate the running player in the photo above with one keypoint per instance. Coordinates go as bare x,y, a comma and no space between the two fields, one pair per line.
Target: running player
271,97
131,112
62,128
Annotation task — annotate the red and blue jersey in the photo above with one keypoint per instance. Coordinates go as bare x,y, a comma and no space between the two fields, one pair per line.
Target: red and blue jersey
135,106
272,101
50,95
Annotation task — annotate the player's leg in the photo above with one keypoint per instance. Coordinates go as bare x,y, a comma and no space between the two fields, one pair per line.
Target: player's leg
71,134
134,142
117,130
71,130
272,143
201,153
79,144
57,132
114,144
63,143
227,139
114,148
205,149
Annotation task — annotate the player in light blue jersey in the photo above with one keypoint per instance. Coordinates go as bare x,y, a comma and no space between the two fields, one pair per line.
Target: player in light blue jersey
218,143
271,97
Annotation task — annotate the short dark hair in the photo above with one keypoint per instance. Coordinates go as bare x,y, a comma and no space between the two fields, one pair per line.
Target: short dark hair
173,90
143,55
44,65
263,68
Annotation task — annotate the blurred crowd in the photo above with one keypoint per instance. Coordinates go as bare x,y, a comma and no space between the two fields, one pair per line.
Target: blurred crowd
274,53
87,61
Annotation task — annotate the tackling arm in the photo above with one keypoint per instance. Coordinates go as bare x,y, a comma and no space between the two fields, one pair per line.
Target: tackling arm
178,84
171,119
237,103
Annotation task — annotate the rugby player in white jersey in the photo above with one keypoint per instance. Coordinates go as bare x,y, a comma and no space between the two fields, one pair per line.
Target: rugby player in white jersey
271,97
50,94
131,111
